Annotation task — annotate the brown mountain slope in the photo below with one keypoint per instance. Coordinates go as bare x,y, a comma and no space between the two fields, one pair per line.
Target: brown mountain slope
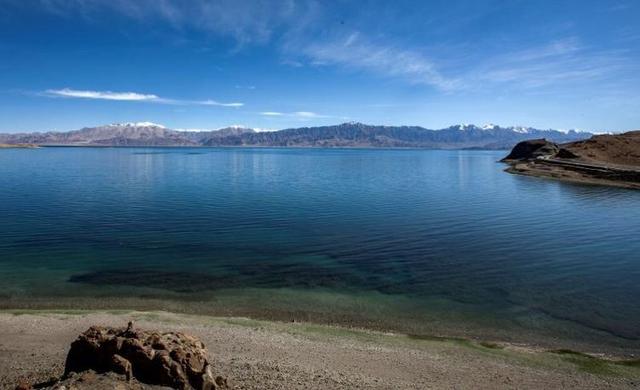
618,149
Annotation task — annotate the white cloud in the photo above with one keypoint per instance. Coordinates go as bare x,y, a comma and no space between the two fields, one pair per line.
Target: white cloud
131,96
104,95
306,114
210,103
295,114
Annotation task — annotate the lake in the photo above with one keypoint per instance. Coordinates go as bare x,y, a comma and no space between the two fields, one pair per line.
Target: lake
421,241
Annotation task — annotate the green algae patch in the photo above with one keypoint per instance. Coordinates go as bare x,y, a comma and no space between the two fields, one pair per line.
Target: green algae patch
629,363
482,346
65,312
599,366
490,345
426,337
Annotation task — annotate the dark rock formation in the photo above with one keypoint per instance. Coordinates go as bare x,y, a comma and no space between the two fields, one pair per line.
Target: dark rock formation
530,149
169,359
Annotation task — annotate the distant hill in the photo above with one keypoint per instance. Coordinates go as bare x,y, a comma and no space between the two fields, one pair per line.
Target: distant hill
123,134
343,135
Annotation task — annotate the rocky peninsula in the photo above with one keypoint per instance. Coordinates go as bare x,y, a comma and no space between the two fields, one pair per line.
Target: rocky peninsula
610,159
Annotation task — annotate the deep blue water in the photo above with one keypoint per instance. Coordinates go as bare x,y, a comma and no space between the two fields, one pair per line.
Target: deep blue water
426,241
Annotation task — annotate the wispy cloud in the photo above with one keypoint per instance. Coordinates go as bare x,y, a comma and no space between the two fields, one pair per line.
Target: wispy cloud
356,52
130,96
561,61
245,21
555,63
297,30
296,114
262,21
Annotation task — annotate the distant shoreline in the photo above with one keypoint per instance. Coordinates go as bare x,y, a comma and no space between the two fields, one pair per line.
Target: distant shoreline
470,149
19,146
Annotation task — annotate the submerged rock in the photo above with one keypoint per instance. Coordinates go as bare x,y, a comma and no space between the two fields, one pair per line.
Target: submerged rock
171,359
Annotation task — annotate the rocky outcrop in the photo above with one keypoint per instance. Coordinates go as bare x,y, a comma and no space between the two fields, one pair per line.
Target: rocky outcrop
170,359
612,160
530,149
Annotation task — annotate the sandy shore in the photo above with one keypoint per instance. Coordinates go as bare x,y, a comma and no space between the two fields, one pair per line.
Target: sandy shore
272,355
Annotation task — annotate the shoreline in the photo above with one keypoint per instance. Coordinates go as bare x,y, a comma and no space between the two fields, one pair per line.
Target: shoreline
561,171
268,354
19,146
446,329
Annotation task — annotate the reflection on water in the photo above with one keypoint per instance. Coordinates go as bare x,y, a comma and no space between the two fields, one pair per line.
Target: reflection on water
413,227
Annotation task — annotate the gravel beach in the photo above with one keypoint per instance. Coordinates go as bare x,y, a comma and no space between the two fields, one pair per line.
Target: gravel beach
277,355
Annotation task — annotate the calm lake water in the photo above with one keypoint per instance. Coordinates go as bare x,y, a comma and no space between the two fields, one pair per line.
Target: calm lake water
428,242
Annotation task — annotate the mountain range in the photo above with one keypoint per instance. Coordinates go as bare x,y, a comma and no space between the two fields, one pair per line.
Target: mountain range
342,135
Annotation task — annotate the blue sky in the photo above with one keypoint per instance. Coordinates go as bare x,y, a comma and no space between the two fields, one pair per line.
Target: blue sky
66,64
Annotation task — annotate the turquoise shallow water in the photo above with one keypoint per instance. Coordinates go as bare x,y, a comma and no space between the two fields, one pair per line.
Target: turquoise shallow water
425,241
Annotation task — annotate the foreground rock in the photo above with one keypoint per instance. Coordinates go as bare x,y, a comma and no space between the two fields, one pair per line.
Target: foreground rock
102,357
612,160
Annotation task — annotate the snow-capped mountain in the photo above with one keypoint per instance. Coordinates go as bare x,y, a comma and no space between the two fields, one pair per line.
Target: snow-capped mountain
136,124
351,134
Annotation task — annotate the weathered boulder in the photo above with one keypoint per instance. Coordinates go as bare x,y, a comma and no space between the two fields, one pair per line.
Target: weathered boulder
531,149
169,359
